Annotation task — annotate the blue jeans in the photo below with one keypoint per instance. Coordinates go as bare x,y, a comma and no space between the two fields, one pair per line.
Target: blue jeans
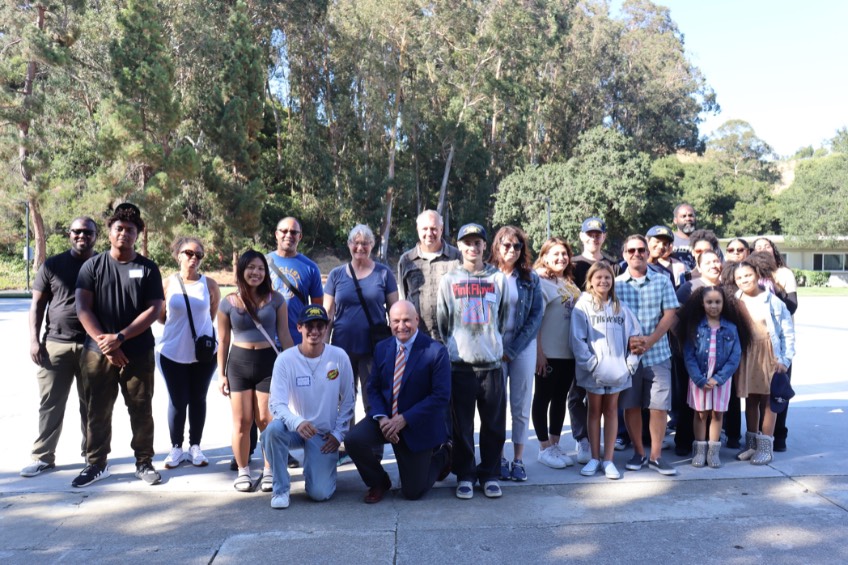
319,469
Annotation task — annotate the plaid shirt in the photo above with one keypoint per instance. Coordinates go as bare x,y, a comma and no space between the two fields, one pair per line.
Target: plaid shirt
648,301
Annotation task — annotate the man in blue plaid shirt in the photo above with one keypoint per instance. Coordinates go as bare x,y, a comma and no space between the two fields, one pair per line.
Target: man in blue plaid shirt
650,295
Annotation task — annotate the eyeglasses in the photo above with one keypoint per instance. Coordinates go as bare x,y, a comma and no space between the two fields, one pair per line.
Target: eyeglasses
513,246
736,250
289,232
189,253
87,233
635,250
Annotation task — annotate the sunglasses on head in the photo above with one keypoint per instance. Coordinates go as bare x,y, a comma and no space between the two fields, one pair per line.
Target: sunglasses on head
189,253
513,246
85,232
635,250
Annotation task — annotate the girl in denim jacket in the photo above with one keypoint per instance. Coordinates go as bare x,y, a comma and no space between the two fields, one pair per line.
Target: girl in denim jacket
712,331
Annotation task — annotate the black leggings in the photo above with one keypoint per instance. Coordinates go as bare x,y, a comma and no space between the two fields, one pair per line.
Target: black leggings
187,385
550,394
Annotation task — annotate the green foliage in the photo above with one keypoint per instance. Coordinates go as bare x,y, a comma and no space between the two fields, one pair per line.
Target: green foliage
606,177
811,278
814,204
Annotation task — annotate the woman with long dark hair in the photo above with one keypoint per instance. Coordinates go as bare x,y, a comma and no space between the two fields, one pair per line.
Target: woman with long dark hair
186,377
512,256
771,350
257,316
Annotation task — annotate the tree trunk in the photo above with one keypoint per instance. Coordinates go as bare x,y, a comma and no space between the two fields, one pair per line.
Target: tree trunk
443,192
23,154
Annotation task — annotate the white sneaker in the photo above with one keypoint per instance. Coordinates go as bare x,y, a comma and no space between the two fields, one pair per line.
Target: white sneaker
36,468
591,468
175,457
549,457
584,452
563,456
280,501
196,456
610,471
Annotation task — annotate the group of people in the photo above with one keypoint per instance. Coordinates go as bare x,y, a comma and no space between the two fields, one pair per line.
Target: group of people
458,331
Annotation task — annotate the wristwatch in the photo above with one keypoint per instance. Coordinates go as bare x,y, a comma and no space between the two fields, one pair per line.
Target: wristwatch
120,337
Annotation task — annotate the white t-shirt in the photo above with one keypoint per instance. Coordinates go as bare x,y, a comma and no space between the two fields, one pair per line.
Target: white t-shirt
319,390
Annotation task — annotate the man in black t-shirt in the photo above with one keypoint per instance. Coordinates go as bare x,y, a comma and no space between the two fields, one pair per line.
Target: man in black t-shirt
593,234
118,297
58,353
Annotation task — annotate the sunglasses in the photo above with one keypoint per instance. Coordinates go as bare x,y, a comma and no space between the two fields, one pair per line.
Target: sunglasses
87,233
289,232
189,253
635,250
513,246
736,250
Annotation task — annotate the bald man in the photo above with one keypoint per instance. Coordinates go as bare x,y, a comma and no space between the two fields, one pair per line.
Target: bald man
408,391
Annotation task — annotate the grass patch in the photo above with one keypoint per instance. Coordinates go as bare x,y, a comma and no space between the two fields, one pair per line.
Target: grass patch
13,273
822,291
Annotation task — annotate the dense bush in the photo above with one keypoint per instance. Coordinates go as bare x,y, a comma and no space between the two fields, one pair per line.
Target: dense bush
811,278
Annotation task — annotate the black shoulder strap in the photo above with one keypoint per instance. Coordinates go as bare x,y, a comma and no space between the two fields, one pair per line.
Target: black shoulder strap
359,294
296,291
188,308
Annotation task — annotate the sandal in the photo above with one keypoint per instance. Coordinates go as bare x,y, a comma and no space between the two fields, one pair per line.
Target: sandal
266,483
243,483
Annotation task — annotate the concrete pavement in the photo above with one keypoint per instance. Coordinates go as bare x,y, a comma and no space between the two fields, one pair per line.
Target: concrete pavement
792,511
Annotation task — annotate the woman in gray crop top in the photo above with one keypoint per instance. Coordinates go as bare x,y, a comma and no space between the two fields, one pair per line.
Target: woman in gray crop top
246,367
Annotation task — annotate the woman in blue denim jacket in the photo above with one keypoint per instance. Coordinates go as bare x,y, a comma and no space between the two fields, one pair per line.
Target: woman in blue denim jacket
771,351
712,331
511,255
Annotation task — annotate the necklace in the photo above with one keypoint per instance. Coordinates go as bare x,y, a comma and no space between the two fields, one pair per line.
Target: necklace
306,360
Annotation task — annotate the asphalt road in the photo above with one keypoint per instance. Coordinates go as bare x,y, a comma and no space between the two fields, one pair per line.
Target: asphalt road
794,510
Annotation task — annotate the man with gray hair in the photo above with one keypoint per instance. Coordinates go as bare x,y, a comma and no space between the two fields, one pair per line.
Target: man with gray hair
421,269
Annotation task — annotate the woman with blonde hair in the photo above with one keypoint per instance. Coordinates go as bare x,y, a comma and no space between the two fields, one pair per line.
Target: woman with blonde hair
601,329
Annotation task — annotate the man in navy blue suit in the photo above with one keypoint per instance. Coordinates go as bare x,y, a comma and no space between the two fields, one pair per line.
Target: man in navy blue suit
409,392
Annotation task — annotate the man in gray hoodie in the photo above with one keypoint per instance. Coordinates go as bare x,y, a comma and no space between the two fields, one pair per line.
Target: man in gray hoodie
471,313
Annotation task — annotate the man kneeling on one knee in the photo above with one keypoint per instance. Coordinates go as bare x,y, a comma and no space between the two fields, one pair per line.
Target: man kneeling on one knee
408,391
312,404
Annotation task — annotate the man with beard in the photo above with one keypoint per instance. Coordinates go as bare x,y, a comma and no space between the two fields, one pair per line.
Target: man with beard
684,221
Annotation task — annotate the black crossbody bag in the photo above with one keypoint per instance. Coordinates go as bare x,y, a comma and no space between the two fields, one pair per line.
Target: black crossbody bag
205,345
377,332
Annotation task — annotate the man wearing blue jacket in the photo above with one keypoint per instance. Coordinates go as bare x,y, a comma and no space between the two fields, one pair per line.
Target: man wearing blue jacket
408,391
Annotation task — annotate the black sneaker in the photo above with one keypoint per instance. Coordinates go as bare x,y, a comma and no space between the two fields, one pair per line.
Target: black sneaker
662,467
293,463
147,473
636,462
92,473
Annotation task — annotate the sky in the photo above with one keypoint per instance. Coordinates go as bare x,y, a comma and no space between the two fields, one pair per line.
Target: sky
779,65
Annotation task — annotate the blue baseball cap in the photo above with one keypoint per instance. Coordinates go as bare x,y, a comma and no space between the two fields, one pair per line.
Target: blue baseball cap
472,229
593,224
313,312
660,231
781,392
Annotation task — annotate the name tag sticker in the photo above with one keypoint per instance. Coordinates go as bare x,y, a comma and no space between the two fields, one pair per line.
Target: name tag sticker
490,297
304,381
136,273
